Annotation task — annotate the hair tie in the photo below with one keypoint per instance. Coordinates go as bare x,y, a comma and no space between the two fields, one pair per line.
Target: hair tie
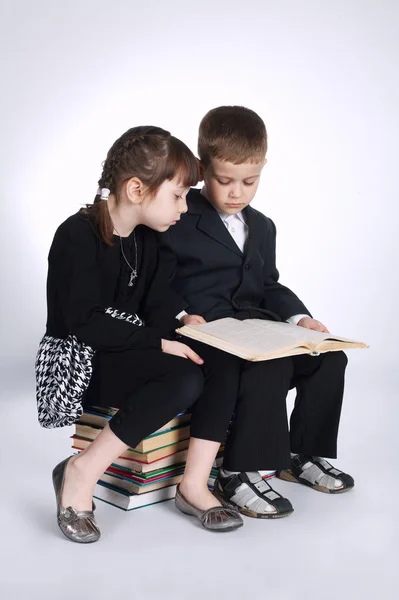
104,193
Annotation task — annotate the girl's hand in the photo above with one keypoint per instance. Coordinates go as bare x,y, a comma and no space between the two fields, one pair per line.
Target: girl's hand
192,320
178,349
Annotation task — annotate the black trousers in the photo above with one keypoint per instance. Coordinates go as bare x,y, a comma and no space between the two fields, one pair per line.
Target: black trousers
260,438
256,393
148,386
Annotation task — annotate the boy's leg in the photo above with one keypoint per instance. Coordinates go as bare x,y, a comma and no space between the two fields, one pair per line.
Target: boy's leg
259,439
315,422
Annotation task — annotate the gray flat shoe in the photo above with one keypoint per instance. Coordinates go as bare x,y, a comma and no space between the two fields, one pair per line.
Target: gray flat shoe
217,518
78,526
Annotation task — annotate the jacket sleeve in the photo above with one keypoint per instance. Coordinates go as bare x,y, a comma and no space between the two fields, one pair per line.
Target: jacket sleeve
73,261
162,304
276,297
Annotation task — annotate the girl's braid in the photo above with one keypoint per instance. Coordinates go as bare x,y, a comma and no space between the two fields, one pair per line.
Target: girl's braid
116,155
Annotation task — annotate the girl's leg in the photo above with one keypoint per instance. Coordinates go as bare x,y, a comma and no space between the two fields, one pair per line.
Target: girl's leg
193,497
212,412
85,469
194,485
160,386
210,419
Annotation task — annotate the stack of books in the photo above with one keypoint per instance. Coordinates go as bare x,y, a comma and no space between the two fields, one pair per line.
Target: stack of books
146,474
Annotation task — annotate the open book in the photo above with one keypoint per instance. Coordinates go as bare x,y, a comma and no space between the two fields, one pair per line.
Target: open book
256,339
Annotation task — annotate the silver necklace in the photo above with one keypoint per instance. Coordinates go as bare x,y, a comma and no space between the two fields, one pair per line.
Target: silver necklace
133,274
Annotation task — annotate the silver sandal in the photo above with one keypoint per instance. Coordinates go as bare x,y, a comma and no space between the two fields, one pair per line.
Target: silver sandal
248,493
317,473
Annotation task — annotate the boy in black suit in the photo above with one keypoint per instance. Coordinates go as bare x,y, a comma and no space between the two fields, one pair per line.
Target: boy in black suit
221,259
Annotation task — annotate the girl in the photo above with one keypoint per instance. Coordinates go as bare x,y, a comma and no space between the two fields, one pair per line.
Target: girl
103,263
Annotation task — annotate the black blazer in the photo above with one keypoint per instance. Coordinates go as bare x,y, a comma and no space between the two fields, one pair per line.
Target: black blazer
84,279
208,270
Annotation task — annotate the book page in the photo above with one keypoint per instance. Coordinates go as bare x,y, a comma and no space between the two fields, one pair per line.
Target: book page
299,334
257,339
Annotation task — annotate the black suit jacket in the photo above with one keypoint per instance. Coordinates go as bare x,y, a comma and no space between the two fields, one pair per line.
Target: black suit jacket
208,270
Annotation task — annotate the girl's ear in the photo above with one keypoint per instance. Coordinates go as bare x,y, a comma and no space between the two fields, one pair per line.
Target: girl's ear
135,190
201,170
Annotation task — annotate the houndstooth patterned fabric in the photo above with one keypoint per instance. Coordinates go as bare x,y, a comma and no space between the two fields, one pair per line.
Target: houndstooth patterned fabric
63,371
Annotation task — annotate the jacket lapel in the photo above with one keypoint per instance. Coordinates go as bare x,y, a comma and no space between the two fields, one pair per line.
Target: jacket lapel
255,231
212,225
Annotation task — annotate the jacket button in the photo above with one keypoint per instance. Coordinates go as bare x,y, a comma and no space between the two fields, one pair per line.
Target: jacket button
247,266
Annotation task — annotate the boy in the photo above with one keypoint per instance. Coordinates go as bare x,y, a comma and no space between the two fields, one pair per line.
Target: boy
221,258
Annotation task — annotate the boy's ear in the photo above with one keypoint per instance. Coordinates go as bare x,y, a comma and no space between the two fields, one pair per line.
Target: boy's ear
201,170
135,190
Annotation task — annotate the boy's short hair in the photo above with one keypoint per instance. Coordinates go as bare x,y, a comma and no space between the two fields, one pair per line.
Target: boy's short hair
232,133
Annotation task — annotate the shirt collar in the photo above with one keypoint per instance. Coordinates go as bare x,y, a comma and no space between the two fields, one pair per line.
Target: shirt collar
221,214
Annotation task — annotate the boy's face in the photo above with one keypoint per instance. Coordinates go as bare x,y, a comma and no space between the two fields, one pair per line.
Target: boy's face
229,187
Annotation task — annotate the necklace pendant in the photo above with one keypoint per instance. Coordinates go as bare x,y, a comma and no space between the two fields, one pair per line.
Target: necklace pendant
133,276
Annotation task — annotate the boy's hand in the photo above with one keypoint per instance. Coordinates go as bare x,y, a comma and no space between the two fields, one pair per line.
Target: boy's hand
192,320
178,349
309,323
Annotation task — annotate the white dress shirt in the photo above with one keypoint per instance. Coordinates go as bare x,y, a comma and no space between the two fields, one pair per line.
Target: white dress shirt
237,228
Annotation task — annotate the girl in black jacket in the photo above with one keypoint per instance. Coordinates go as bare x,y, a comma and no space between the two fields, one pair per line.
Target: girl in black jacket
103,266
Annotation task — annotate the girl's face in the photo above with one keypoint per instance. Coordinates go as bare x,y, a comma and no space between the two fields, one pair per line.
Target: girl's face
165,208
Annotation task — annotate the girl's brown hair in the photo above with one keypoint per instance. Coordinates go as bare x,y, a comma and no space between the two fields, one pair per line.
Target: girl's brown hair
149,153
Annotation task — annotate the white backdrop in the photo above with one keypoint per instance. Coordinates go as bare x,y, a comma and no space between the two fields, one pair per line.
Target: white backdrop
324,76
